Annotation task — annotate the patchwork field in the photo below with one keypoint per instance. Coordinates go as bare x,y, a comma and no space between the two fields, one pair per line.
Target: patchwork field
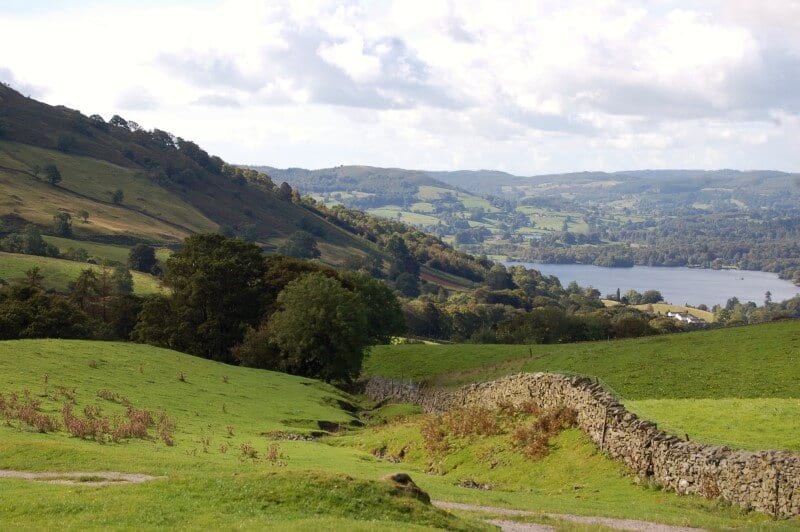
232,466
736,385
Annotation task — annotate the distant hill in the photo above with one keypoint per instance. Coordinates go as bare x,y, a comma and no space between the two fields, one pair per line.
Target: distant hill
664,182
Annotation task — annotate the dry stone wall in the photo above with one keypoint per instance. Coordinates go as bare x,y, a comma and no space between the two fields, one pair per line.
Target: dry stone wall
766,481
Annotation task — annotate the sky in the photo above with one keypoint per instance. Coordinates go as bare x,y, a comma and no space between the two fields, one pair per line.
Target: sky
527,87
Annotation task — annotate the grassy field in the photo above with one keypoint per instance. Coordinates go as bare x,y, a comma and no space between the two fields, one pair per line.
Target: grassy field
100,251
58,273
331,483
708,384
663,308
96,251
312,486
397,213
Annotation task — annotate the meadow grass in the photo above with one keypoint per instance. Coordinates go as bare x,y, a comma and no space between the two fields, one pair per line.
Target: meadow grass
215,407
96,250
58,273
332,483
750,423
736,386
753,361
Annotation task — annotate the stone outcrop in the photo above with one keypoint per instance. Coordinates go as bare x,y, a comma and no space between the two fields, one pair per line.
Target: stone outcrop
765,481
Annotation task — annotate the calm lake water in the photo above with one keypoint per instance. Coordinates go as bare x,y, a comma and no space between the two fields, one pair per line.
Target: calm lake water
678,285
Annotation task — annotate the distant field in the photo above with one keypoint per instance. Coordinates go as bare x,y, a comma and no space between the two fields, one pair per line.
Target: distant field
397,213
753,361
761,423
58,273
101,251
663,308
736,385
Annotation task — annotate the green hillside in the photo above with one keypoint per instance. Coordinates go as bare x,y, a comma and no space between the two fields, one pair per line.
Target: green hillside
209,481
736,385
58,273
171,188
98,251
232,465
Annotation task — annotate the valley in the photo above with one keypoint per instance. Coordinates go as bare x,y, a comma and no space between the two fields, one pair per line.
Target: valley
319,314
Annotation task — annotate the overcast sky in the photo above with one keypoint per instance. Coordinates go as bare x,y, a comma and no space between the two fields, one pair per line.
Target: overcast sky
527,87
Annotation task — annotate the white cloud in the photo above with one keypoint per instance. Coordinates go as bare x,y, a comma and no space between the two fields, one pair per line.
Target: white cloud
522,86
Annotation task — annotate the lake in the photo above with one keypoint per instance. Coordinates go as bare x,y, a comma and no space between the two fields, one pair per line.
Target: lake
679,286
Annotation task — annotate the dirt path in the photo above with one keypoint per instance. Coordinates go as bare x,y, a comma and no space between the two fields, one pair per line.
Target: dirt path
94,478
514,526
511,526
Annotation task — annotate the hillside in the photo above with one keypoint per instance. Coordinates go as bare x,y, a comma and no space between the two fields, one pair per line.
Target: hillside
734,385
171,187
233,464
209,481
58,273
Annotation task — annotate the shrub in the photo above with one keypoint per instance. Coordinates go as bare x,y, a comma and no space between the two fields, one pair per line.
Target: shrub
26,411
248,452
533,440
166,429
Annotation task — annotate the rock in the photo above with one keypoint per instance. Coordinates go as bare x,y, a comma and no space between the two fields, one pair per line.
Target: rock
403,485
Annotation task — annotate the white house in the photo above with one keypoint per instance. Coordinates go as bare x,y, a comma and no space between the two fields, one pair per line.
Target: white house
684,317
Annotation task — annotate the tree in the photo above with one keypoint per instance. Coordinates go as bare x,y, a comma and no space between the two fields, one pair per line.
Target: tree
383,308
122,280
218,291
117,196
651,296
403,261
84,216
321,329
84,288
33,243
285,191
62,224
767,298
632,297
34,278
142,258
407,284
498,278
118,121
52,174
66,143
300,245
